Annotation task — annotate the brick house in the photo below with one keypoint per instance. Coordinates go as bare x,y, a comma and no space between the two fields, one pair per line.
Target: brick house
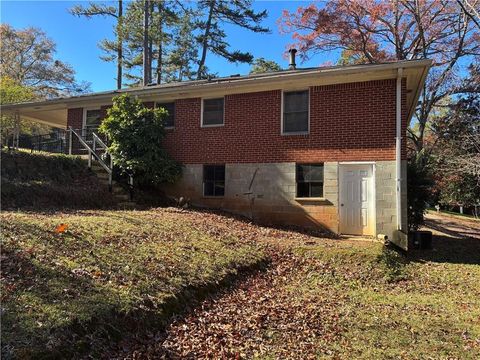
312,147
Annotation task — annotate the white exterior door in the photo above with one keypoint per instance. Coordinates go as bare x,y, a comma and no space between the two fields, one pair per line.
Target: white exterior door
357,199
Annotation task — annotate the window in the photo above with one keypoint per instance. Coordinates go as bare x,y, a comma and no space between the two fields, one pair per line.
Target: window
170,119
309,180
212,112
295,112
92,118
214,180
91,122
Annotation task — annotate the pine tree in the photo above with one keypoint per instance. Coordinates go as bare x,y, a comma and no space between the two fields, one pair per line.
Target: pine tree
217,13
261,65
162,21
183,54
113,49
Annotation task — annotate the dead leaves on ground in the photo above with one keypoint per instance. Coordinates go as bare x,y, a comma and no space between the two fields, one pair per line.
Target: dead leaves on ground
259,317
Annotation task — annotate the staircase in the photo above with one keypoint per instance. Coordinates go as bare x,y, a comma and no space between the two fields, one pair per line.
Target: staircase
104,169
120,194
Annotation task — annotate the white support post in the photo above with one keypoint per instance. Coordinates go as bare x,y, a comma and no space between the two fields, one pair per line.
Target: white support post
398,148
89,159
130,182
16,134
70,138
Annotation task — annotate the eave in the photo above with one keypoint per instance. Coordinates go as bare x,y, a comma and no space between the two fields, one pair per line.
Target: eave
54,112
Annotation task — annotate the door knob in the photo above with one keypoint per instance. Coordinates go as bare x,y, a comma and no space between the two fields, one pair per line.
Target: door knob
341,204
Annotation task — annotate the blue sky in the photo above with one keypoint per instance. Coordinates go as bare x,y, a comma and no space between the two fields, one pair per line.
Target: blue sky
77,38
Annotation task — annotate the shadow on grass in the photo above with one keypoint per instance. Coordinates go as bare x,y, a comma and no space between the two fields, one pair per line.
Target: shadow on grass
94,322
452,242
448,249
393,262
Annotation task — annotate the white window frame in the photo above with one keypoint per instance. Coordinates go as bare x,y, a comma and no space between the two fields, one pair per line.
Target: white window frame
201,112
175,109
84,117
282,111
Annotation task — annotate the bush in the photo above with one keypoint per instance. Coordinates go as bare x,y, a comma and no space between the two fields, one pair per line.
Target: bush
419,184
136,134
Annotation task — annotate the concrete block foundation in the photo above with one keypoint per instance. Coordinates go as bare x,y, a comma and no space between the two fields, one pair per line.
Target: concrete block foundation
266,193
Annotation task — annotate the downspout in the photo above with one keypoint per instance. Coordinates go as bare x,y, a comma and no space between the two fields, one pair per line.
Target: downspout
398,149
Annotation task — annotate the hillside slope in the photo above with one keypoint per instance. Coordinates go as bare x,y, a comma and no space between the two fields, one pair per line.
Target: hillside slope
43,181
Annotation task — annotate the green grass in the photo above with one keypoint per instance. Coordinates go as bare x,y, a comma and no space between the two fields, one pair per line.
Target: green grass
454,213
41,180
109,275
117,275
395,307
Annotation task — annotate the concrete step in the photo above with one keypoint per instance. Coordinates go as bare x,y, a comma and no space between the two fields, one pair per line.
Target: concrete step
121,197
117,189
102,175
96,168
127,205
103,181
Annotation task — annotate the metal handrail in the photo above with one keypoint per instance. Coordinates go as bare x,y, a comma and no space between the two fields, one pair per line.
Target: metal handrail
96,139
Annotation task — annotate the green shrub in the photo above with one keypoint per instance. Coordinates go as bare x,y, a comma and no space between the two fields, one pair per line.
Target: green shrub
419,185
136,135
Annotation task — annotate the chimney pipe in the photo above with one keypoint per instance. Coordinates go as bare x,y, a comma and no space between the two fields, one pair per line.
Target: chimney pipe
292,65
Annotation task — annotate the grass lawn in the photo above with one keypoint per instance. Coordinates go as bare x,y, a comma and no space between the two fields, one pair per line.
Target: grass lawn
116,277
110,274
338,301
453,213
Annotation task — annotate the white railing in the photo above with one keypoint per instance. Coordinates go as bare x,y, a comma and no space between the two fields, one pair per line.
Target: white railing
92,153
97,144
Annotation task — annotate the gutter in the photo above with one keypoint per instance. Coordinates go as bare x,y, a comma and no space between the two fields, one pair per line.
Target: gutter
226,83
398,148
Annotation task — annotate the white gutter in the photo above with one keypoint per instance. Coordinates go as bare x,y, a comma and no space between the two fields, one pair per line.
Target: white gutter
398,148
224,83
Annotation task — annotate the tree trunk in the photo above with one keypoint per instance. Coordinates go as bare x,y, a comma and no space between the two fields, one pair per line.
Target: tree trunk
146,10
150,46
120,44
201,64
160,43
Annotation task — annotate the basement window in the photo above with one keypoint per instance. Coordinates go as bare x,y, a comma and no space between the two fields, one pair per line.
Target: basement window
212,114
309,178
295,112
213,180
169,121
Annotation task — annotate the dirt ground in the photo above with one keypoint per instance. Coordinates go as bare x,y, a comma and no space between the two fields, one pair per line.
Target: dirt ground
454,226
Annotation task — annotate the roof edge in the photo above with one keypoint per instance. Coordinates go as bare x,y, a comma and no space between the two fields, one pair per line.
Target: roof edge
263,78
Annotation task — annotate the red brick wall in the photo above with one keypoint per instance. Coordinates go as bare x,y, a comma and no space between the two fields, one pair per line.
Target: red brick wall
348,122
75,118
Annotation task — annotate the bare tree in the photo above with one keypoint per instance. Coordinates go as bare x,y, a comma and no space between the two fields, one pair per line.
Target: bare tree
28,58
471,10
379,31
